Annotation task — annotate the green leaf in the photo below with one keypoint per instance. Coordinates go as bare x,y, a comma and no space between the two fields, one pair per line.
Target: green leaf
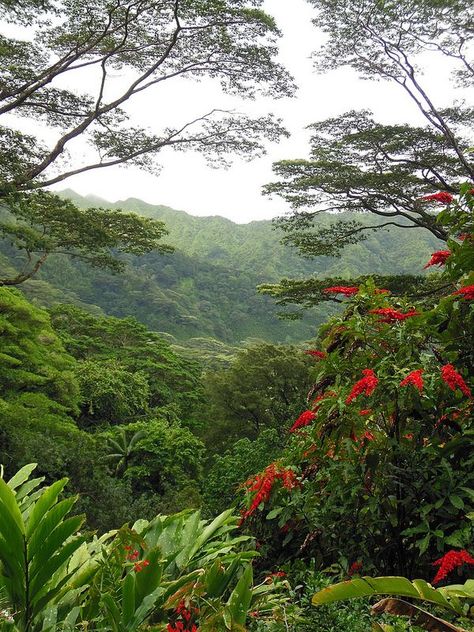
10,506
37,542
241,597
367,586
21,476
46,500
457,502
128,598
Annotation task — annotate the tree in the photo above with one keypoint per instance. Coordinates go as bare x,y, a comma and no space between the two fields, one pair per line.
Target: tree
259,391
383,453
41,224
150,42
120,352
121,449
362,166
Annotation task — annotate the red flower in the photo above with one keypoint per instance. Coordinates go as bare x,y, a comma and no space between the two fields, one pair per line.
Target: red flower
454,380
365,385
408,436
303,420
415,379
341,289
365,411
391,315
438,258
355,568
466,292
263,483
450,561
443,197
464,236
133,556
317,354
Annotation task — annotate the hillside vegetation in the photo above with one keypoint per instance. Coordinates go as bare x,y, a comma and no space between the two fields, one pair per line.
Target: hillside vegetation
207,287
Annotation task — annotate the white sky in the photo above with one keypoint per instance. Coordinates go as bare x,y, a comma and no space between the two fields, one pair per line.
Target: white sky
187,183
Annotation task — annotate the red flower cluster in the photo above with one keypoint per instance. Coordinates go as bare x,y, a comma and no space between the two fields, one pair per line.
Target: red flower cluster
132,556
186,623
263,483
415,379
365,411
390,315
365,385
466,292
454,380
438,258
355,568
139,566
450,561
341,289
317,354
443,197
303,420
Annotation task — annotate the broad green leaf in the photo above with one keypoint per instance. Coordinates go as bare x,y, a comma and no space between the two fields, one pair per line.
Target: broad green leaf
128,598
52,519
47,499
9,507
21,476
53,543
55,563
241,596
112,611
367,586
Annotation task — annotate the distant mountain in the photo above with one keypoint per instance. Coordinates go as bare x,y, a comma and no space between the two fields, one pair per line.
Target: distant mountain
207,287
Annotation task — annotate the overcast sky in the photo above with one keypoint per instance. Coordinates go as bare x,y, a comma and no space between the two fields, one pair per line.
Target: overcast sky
187,183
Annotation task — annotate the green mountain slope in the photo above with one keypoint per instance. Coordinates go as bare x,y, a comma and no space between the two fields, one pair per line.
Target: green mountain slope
207,287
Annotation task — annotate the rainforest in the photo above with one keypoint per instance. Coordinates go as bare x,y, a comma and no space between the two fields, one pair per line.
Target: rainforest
219,426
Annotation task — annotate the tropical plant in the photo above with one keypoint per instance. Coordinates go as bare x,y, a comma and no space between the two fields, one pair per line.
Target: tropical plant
121,449
381,459
44,560
454,599
155,572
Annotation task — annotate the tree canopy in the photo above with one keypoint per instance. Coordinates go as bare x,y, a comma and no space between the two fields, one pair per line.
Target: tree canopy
399,174
40,224
149,42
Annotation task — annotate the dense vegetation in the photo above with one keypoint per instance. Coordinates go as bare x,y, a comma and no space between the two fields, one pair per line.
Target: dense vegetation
206,288
213,484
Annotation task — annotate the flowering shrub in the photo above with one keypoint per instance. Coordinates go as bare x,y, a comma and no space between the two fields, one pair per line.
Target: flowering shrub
390,480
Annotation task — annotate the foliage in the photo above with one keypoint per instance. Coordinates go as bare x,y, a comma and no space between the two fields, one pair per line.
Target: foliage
165,462
449,598
207,287
149,44
358,165
260,390
110,393
383,453
54,577
41,224
239,461
126,370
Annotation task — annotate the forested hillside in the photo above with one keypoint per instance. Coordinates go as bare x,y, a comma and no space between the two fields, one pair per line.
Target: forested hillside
173,457
207,287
